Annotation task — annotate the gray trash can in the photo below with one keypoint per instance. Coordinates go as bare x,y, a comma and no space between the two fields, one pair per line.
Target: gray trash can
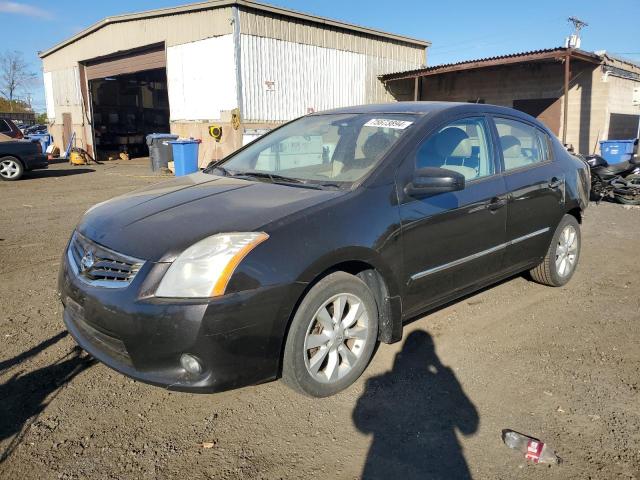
160,151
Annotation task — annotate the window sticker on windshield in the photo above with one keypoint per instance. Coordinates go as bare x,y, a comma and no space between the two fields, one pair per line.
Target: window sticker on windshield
388,123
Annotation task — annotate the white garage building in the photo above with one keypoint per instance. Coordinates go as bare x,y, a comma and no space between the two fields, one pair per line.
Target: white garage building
238,64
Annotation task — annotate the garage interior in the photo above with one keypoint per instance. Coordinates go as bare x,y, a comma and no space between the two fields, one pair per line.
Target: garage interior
128,100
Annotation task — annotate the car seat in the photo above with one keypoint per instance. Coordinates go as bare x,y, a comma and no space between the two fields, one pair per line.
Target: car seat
512,153
448,144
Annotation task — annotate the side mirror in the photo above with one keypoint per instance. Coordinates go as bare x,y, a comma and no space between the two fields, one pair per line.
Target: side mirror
431,181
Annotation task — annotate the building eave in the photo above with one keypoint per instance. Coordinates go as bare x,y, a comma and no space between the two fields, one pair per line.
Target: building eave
524,57
213,4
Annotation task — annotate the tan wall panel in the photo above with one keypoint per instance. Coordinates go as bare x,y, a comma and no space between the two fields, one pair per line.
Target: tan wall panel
172,29
209,149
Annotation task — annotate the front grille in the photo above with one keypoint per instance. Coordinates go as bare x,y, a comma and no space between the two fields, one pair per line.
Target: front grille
99,266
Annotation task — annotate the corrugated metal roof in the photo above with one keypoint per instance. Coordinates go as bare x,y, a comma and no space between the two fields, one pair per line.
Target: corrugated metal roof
491,61
211,4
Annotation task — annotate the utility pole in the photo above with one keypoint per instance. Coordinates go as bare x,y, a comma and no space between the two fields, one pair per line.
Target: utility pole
577,24
573,41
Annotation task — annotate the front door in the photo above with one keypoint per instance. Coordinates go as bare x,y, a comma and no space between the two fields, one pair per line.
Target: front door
454,240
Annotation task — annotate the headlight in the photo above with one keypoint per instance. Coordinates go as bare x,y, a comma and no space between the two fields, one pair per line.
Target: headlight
204,269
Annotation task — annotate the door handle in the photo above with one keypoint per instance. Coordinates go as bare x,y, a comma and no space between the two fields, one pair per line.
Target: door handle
497,203
555,182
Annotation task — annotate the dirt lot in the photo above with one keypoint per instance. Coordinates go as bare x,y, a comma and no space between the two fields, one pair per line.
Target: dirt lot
560,364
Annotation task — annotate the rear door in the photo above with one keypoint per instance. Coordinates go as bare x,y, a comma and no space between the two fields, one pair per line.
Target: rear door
453,240
536,187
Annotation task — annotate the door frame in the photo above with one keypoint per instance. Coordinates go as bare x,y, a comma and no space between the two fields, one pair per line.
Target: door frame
405,171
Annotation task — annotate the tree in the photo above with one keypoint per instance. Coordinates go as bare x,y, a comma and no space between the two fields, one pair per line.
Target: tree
14,75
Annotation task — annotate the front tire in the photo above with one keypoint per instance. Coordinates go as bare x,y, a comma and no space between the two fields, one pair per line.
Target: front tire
332,336
562,257
11,169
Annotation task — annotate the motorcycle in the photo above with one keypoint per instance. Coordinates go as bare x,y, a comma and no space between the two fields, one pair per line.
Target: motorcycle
619,181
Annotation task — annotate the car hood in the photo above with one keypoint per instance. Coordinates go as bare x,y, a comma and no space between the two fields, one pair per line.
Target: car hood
160,221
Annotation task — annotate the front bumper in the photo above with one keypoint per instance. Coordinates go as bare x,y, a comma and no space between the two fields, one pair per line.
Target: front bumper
238,337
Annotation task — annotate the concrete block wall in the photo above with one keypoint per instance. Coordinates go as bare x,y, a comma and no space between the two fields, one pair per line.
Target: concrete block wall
497,86
587,107
620,98
589,101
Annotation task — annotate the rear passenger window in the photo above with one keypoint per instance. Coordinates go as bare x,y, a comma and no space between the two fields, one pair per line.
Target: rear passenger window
4,126
522,145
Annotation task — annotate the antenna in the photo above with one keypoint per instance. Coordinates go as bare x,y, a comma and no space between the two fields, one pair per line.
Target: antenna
577,24
573,41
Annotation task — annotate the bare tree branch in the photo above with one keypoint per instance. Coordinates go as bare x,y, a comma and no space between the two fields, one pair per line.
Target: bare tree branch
14,75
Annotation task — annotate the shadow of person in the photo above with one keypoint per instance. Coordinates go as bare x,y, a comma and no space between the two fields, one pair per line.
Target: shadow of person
24,396
413,412
6,364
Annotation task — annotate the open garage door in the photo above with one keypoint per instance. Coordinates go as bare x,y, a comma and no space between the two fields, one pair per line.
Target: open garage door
151,57
129,100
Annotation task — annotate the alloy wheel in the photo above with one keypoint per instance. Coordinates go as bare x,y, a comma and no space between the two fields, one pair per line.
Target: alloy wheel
567,251
9,168
336,338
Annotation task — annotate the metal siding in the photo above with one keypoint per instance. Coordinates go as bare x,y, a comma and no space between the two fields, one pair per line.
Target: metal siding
65,87
48,95
115,37
261,24
201,79
305,76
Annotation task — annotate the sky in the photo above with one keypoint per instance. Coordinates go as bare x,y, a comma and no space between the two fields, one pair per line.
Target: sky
458,30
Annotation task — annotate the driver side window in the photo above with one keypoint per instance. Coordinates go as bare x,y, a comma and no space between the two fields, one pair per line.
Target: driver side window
462,146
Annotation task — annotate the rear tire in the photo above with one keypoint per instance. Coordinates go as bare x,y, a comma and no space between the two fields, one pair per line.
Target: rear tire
332,336
632,198
562,257
11,169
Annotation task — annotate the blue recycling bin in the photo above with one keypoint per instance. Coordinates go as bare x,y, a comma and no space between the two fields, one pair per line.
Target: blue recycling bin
616,151
45,139
185,156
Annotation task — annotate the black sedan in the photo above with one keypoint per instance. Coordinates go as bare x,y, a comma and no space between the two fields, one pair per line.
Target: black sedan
295,255
19,156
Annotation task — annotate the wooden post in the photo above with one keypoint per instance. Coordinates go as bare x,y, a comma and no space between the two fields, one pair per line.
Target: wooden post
565,113
416,93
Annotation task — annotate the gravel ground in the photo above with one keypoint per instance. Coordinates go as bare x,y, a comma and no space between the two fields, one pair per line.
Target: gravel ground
559,364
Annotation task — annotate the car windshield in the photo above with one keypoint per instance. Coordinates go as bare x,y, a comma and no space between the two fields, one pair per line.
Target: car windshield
332,150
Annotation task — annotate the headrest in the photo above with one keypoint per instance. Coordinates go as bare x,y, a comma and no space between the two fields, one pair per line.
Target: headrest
511,146
376,145
453,142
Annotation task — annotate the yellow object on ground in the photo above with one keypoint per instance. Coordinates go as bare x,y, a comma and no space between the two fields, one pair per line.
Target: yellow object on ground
77,158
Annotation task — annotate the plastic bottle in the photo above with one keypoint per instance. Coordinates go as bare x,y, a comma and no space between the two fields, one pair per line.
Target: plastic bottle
532,448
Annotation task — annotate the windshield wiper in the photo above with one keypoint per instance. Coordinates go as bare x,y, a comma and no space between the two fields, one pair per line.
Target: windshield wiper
271,176
213,167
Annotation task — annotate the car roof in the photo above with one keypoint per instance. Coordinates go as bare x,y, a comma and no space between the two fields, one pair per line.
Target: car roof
422,108
431,108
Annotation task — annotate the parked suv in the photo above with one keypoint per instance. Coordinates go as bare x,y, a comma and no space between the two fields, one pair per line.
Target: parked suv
295,255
